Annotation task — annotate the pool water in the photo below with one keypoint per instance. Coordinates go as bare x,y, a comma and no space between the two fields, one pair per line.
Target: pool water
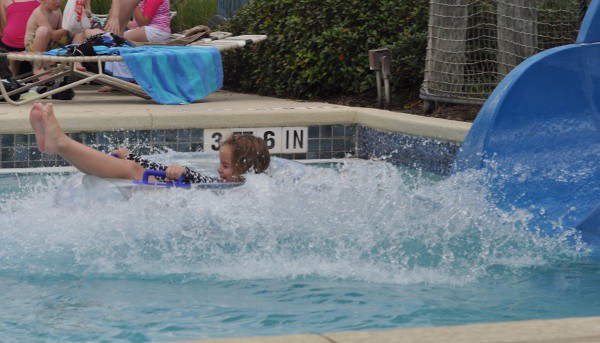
358,245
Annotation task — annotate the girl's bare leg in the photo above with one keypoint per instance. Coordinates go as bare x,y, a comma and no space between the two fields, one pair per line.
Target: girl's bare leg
120,13
53,140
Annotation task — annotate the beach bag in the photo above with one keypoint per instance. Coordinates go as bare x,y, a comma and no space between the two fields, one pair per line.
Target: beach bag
11,84
74,18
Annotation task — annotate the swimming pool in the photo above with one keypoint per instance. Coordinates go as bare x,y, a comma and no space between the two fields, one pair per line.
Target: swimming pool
358,245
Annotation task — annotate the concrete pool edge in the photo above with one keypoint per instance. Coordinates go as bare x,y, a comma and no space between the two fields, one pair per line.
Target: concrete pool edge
586,329
224,110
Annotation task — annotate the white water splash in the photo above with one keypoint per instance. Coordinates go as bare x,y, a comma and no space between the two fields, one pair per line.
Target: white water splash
360,220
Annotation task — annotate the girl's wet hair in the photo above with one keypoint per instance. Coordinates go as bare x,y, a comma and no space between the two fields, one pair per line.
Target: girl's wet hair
248,153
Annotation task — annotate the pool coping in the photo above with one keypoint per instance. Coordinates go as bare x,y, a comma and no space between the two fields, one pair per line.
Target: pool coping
93,111
569,330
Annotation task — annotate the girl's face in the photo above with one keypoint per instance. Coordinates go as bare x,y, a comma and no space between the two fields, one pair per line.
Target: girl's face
225,170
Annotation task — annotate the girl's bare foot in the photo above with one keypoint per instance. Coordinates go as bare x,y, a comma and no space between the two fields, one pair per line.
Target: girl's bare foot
36,119
53,134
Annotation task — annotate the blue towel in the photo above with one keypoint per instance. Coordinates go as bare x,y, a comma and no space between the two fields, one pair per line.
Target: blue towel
175,74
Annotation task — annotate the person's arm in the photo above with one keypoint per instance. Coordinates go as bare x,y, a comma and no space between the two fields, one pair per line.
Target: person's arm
121,152
173,171
3,20
59,32
112,22
87,8
150,8
140,18
119,15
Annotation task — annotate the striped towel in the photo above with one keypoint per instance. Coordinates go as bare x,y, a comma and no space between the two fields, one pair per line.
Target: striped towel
175,74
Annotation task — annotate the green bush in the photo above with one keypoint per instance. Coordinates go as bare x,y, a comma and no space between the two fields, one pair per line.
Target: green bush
319,48
98,6
189,12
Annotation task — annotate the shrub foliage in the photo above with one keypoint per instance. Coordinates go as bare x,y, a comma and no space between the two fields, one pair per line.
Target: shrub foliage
189,12
320,48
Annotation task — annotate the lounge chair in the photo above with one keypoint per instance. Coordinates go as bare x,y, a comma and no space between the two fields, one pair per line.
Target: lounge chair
64,66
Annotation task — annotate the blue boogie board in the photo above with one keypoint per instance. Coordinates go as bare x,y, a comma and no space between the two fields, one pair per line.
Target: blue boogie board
81,186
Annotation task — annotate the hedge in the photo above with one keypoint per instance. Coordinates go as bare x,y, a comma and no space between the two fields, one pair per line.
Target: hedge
319,48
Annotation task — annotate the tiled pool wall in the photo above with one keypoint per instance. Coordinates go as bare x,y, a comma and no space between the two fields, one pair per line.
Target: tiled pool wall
408,151
324,142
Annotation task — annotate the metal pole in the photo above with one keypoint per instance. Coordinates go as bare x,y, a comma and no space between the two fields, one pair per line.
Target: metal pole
385,68
378,81
379,62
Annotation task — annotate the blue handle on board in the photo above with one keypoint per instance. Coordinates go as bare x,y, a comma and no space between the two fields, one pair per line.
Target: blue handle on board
160,173
179,183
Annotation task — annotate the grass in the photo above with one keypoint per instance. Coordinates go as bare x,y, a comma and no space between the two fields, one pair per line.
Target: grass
189,12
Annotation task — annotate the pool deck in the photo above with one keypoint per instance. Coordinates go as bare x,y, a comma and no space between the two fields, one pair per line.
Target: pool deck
535,331
93,111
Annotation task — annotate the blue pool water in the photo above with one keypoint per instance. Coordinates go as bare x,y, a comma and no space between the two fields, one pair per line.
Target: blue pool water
358,245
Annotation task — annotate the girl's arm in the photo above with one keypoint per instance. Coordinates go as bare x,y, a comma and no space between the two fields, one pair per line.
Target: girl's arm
121,152
174,171
140,18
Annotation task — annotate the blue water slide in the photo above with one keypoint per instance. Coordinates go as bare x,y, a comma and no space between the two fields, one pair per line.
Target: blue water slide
538,136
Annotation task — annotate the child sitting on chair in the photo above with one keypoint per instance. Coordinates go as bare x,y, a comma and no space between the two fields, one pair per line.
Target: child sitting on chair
45,32
152,22
238,155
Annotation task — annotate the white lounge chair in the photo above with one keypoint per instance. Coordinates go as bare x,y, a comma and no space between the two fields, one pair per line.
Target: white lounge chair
64,66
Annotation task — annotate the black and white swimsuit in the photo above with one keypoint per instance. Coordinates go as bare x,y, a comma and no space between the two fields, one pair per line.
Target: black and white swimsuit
190,176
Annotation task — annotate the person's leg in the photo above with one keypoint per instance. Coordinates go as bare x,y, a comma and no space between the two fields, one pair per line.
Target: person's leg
14,67
53,140
156,35
120,13
92,32
39,45
41,40
78,39
136,35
